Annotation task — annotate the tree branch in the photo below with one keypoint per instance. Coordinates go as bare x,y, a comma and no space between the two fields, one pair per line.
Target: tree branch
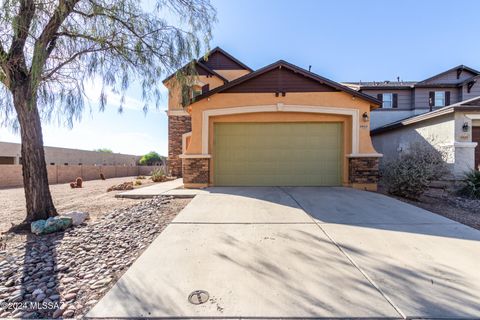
3,66
46,42
21,26
69,60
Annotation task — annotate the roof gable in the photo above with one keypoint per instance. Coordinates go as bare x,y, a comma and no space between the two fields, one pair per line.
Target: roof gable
451,76
282,77
219,59
201,69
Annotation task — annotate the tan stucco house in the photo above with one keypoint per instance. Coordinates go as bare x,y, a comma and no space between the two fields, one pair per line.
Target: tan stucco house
280,125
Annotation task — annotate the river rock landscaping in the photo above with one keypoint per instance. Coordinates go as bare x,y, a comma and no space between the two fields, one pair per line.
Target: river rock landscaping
64,274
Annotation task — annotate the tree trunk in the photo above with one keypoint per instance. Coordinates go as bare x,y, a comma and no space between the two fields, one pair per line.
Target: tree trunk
35,177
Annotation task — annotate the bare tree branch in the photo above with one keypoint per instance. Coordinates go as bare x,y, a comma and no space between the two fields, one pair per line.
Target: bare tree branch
21,26
46,42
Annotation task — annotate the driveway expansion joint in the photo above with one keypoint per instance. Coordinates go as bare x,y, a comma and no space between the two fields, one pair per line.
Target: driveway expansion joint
370,280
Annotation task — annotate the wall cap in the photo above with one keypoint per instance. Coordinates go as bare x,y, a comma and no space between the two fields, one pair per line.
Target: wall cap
458,144
195,156
364,155
177,113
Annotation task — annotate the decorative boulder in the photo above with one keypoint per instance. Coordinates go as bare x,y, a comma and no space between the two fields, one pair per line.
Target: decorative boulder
38,226
55,224
78,217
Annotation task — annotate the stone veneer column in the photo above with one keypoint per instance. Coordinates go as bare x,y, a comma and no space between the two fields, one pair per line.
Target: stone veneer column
177,126
196,172
363,172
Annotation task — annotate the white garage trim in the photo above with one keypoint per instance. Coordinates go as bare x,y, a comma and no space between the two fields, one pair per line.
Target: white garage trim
473,116
280,107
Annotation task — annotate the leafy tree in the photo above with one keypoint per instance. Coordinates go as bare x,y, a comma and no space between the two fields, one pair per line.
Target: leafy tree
150,158
49,49
106,150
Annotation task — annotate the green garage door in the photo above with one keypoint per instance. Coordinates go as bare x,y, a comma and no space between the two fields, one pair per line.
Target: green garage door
277,154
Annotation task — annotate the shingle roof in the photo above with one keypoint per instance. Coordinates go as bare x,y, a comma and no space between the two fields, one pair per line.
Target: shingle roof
411,84
282,63
462,67
472,104
380,84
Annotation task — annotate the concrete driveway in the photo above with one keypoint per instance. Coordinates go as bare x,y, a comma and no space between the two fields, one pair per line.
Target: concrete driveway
303,252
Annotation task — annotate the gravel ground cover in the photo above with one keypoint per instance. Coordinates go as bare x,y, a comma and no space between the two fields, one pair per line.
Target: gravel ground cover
449,205
92,198
64,274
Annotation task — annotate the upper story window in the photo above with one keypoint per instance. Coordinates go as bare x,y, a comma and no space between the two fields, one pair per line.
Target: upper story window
387,100
439,99
196,91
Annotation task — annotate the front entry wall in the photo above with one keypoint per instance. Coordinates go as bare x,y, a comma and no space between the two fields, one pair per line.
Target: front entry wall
327,100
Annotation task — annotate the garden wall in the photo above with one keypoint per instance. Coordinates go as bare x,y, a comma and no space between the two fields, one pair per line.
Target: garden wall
11,174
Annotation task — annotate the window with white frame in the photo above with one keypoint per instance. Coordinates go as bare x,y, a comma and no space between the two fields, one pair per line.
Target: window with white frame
439,99
387,100
196,91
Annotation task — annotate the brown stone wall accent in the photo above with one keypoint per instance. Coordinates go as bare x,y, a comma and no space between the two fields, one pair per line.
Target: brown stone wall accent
177,126
363,170
196,170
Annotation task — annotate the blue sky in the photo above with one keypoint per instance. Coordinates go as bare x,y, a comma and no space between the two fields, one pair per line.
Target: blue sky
342,40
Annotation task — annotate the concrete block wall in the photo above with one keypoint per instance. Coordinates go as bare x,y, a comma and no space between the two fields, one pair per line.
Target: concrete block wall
11,175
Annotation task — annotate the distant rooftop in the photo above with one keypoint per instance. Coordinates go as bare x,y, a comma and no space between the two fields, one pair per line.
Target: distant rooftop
379,84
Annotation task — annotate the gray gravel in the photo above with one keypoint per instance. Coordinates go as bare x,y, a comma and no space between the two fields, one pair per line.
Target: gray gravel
65,274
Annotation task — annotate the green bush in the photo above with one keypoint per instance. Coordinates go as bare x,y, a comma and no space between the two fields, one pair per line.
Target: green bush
158,175
410,174
151,158
471,187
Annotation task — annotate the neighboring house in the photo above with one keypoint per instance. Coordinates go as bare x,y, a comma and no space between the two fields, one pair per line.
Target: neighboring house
453,130
441,112
10,153
280,125
404,99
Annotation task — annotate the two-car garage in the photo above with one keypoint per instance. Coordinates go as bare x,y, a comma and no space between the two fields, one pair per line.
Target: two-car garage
278,154
280,126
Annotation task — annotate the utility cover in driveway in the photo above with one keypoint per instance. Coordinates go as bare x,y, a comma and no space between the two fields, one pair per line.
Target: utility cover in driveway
278,154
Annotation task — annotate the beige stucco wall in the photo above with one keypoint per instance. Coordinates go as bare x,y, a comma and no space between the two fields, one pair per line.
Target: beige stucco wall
313,99
321,99
232,74
443,133
174,90
437,132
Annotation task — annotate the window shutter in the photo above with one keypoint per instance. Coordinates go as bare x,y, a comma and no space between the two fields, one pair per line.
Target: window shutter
395,100
380,97
447,98
431,99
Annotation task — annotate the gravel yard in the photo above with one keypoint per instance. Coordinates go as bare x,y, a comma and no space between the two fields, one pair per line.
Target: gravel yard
92,198
460,209
64,274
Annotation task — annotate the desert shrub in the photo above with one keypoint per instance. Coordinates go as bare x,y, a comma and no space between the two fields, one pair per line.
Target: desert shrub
158,175
138,182
471,184
140,177
411,173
